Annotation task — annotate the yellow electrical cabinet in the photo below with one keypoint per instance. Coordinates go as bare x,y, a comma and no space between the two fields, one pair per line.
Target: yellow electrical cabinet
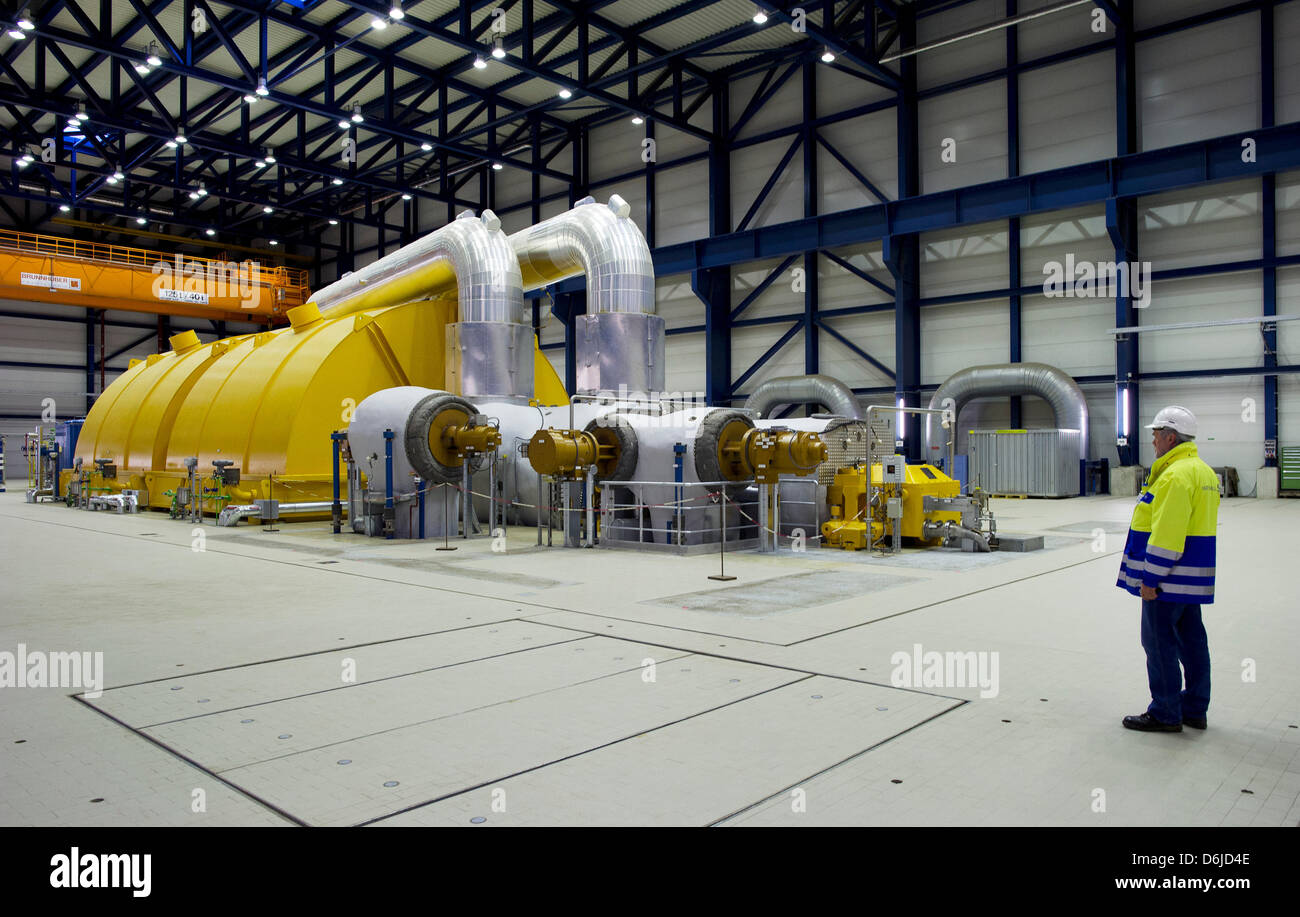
854,528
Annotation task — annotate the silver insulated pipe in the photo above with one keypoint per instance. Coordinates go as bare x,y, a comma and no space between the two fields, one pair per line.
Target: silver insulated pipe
489,349
620,341
837,397
1047,382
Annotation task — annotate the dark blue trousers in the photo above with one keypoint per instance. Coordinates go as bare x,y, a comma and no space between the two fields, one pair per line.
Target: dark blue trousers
1173,633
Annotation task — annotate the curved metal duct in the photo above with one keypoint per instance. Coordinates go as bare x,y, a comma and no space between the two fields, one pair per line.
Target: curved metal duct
1047,382
619,341
470,254
601,242
489,350
837,397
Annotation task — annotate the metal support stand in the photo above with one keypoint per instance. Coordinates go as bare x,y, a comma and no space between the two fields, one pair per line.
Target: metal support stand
466,506
722,543
389,517
591,506
539,510
270,481
336,510
446,524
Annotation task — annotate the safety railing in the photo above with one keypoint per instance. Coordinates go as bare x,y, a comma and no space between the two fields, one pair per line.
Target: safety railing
676,517
292,280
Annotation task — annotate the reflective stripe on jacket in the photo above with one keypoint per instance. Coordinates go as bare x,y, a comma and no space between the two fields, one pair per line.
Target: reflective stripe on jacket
1171,538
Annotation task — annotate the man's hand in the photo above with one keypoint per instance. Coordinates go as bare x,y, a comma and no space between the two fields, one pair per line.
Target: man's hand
1149,593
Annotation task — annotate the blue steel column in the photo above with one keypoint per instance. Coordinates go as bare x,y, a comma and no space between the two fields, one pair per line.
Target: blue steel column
90,358
1013,225
569,305
1121,224
902,252
713,286
811,350
1268,193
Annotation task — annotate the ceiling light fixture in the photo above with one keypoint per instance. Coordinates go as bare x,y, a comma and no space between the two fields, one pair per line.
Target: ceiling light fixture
479,62
210,231
171,144
25,23
565,92
338,181
395,12
274,241
180,138
141,220
270,157
141,68
344,123
260,164
426,146
497,167
17,34
250,98
357,117
268,209
261,89
760,16
498,48
153,59
64,208
334,222
406,197
378,23
828,56
637,119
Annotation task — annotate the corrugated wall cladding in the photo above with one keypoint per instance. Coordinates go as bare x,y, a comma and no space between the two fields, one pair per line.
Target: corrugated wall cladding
1286,51
1072,28
976,120
1199,83
1206,225
1067,113
965,58
964,261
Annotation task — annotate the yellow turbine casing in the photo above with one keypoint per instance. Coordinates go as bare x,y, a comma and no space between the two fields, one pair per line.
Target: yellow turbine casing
266,401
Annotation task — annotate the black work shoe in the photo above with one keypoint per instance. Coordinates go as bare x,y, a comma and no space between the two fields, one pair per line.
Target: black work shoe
1194,722
1146,723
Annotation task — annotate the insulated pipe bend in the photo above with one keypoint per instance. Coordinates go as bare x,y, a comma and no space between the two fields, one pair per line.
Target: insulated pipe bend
1047,382
470,255
601,242
837,397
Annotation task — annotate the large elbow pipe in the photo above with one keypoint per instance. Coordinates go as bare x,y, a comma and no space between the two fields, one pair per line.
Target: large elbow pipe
1047,382
489,349
827,391
620,340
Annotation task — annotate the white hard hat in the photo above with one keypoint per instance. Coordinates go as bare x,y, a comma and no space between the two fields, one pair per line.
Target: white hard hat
1176,418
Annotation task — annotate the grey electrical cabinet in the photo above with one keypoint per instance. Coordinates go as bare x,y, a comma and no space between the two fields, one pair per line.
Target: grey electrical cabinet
1033,463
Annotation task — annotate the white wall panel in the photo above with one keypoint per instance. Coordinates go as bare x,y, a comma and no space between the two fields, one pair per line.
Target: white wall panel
976,118
1288,303
748,344
784,108
1287,199
1061,31
615,149
1067,113
1202,299
968,57
751,167
964,260
1286,63
1224,436
954,337
682,203
1069,334
778,299
683,353
870,142
1199,83
841,289
1288,411
1147,13
872,332
671,144
838,91
1204,225
1050,237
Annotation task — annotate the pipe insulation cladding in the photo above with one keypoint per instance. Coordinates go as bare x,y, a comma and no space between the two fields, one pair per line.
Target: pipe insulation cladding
1047,382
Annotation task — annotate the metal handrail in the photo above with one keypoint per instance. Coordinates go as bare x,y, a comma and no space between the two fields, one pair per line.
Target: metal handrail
127,256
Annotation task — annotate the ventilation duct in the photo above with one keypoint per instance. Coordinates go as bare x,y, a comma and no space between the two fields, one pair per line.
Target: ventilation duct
829,392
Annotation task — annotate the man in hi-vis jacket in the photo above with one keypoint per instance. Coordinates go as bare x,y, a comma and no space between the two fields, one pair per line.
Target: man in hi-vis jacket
1169,562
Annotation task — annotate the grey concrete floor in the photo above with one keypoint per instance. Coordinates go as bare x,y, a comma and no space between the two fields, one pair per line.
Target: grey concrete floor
305,678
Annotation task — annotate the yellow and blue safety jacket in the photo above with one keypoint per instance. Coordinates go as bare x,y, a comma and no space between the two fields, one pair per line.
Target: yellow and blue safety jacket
1171,538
